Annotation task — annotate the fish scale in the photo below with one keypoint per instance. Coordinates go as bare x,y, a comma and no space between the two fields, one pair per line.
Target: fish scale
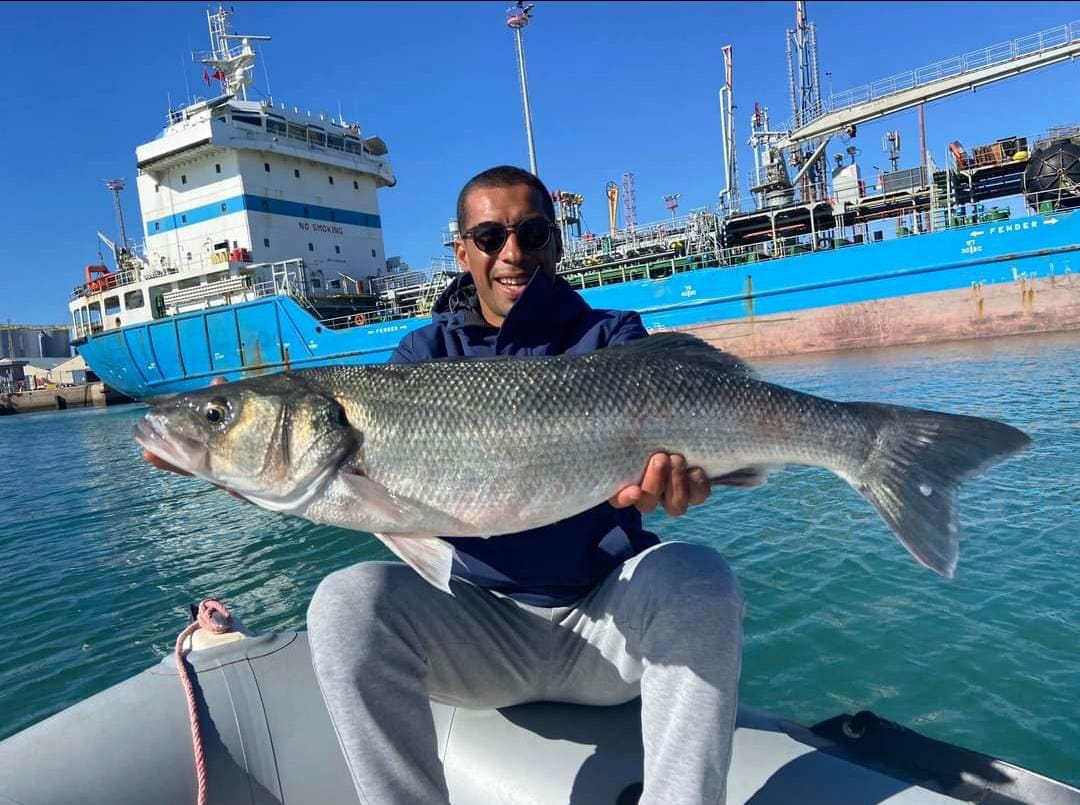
488,446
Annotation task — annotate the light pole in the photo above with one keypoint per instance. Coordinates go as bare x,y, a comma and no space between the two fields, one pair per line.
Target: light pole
517,17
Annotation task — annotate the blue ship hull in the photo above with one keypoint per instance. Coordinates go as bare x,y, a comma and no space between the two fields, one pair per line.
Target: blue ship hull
269,335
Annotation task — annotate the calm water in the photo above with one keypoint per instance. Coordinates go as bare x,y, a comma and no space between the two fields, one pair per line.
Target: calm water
100,555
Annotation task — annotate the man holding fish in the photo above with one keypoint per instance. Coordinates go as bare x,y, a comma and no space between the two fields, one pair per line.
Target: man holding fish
553,455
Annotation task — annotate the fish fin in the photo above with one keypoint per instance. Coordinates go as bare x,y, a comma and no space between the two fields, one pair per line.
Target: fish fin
746,477
425,553
402,513
686,346
919,460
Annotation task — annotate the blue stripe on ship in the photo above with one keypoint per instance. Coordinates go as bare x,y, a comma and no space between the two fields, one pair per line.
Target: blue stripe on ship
273,206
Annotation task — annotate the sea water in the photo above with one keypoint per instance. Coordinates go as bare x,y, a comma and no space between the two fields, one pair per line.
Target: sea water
100,554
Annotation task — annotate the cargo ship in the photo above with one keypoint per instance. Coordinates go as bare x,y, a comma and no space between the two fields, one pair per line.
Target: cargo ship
262,245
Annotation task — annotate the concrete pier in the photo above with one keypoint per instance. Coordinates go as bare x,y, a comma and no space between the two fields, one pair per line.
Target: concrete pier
59,399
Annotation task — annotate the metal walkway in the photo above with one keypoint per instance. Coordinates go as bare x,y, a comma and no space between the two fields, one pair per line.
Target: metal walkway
938,80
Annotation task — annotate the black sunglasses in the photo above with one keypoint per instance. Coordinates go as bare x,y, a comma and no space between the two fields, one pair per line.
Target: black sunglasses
533,234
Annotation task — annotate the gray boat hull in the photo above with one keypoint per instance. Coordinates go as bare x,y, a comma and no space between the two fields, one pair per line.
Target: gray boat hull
269,740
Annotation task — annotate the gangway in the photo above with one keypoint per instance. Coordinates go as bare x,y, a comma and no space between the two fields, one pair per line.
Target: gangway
938,80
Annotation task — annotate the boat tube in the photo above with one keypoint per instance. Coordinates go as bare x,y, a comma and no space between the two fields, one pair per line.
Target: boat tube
268,739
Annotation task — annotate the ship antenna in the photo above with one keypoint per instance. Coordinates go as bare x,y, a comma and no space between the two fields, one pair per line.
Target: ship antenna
116,185
233,66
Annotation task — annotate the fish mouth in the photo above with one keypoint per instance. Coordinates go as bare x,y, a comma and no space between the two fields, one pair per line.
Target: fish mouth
180,451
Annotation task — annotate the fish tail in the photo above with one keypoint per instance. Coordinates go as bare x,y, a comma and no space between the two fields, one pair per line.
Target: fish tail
918,462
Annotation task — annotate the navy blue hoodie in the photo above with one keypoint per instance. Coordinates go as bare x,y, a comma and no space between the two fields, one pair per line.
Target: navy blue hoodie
557,564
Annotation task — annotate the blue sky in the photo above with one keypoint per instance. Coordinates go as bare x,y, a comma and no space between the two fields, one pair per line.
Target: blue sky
615,88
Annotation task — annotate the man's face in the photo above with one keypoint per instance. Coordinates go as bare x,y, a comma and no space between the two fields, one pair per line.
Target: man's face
501,277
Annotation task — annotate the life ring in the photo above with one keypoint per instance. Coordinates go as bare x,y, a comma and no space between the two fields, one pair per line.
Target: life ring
359,320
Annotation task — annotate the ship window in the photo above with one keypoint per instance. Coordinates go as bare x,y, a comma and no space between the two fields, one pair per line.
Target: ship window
133,299
157,226
331,178
217,276
275,126
183,219
353,146
112,305
217,167
311,247
333,284
335,141
95,317
223,209
296,172
157,299
222,246
266,242
297,132
372,252
266,167
248,119
355,185
183,178
337,250
316,283
190,282
189,255
316,137
157,187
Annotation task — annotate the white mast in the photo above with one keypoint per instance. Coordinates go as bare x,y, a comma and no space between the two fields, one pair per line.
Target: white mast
234,66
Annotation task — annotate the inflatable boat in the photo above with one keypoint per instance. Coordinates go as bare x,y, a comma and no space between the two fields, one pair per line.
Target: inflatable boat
267,739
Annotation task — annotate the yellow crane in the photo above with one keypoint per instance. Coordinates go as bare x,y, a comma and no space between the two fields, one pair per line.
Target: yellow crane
613,205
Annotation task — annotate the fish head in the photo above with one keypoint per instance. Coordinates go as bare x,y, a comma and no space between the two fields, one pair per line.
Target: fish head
273,440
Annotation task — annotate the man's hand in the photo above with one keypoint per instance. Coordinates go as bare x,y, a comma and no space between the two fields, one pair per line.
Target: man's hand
667,481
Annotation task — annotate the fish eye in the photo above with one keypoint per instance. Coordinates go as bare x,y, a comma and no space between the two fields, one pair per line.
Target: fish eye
216,411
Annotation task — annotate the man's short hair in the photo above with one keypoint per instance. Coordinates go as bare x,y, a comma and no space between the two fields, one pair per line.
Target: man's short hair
504,176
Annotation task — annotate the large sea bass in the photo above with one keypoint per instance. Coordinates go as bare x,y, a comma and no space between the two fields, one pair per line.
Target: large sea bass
481,447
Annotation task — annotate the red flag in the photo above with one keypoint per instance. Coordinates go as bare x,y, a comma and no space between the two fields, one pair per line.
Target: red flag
219,75
206,77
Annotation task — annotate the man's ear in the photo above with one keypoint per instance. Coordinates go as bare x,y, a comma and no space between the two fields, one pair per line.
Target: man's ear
461,255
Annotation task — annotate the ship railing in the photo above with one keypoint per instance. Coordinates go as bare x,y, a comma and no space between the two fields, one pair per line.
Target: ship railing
390,282
947,68
106,282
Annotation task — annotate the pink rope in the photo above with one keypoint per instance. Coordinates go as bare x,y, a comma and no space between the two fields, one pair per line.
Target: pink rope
214,617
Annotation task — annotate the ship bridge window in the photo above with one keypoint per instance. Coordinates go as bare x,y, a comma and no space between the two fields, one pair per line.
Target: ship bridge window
297,132
335,141
248,120
95,317
134,299
316,137
353,146
112,305
276,126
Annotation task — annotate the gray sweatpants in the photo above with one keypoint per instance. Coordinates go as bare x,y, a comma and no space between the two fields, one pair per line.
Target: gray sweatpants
666,625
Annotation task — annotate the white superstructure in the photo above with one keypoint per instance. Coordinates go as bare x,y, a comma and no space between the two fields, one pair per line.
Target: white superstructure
240,198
